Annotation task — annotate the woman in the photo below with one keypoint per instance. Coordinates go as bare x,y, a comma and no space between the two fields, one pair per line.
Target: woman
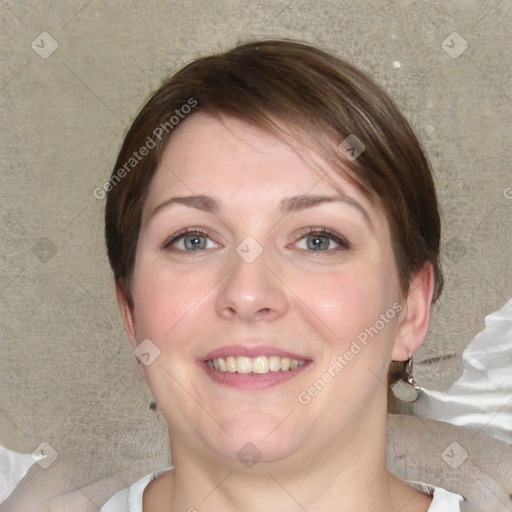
273,230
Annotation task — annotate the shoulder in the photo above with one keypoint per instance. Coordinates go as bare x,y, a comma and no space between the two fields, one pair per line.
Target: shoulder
130,499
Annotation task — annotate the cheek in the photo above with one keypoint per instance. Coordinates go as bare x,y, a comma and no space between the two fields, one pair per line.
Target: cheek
165,298
346,301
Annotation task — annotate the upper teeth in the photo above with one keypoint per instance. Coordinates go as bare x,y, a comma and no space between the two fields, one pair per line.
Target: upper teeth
260,364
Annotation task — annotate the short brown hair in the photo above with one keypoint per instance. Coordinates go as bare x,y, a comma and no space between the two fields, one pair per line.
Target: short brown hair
320,100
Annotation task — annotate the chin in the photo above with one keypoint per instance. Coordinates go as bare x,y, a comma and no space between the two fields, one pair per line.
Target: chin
253,453
258,440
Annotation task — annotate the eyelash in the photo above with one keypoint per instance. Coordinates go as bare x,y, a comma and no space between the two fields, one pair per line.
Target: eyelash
181,234
343,243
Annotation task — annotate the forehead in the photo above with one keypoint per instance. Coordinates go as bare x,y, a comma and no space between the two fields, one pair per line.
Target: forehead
243,165
206,152
206,148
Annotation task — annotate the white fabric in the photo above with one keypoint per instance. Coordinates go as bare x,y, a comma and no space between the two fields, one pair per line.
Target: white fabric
130,499
14,467
482,397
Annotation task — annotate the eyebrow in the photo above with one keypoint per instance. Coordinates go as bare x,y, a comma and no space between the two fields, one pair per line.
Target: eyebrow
303,202
203,203
288,205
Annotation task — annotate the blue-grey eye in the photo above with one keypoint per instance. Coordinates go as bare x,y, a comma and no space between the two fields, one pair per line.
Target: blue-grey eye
322,241
189,240
195,242
319,243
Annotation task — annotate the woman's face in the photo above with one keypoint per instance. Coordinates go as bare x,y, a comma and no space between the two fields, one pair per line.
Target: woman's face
255,275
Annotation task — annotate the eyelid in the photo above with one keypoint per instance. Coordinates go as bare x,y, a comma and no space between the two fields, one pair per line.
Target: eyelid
342,241
166,244
339,239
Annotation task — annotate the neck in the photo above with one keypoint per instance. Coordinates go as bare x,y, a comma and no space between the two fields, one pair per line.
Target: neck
348,475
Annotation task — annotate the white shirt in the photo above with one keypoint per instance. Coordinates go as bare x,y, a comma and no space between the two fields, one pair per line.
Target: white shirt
130,499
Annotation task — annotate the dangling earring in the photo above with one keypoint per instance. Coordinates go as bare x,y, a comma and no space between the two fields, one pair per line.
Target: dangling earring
406,388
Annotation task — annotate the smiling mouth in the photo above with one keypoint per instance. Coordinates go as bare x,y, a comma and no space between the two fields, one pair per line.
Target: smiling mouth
255,365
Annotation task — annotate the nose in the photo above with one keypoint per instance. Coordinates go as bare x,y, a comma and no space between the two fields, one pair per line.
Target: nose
251,290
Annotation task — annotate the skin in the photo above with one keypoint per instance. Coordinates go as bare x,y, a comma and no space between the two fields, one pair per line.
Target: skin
330,453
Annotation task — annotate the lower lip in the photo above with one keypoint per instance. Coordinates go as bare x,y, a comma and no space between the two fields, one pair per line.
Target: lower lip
252,381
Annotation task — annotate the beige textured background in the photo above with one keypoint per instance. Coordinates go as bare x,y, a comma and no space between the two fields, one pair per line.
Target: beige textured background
67,374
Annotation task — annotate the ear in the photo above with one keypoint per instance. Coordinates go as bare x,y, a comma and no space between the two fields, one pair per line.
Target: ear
415,318
127,314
